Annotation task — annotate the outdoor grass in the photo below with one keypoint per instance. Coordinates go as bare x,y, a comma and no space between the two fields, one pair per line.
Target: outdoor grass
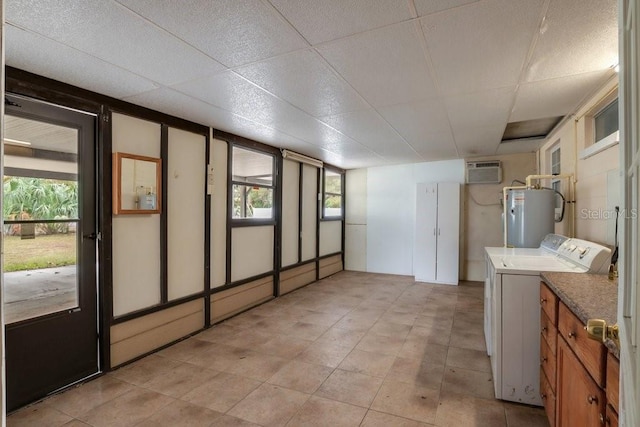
45,251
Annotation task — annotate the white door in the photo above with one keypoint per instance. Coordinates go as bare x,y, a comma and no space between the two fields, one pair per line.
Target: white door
448,232
424,253
628,300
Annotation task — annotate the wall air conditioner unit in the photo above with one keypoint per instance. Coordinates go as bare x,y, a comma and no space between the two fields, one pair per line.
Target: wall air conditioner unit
484,172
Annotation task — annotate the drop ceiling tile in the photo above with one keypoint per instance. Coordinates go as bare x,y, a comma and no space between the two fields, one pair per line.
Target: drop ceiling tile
36,54
483,45
427,7
386,66
555,97
577,36
114,34
477,140
234,32
372,131
486,108
322,20
425,126
305,80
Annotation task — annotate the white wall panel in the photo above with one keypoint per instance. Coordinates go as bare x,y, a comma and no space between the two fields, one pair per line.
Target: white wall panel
185,213
251,251
391,211
309,211
330,237
355,247
290,209
136,238
218,158
356,196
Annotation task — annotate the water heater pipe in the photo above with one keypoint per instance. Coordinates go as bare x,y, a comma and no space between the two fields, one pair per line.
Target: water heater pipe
504,208
572,187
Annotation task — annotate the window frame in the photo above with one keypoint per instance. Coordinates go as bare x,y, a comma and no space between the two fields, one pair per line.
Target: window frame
251,221
324,215
592,146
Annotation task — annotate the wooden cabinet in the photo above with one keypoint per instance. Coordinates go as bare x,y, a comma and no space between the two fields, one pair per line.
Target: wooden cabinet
436,246
579,379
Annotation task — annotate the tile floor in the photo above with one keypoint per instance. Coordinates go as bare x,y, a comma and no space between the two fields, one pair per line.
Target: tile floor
355,349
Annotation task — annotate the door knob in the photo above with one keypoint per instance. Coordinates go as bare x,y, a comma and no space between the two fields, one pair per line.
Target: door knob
597,329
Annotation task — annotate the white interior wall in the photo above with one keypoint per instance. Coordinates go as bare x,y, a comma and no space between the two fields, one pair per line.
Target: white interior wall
218,159
290,209
391,211
185,213
356,220
136,238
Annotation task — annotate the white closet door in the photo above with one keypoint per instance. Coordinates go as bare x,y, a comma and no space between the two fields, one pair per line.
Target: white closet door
424,254
448,232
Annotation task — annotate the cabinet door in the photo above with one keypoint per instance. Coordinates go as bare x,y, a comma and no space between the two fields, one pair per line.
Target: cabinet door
580,402
448,233
424,254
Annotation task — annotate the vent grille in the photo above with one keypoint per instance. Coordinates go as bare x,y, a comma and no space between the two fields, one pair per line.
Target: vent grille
488,172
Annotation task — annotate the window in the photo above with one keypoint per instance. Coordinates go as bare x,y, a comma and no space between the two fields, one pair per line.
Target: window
606,121
253,185
333,199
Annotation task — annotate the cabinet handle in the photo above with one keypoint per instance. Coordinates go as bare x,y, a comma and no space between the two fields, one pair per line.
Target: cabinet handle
604,420
543,360
544,329
572,335
592,399
543,396
543,300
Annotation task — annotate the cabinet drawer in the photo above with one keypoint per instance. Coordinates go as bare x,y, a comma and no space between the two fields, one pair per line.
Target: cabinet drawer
548,363
613,381
591,353
611,417
548,399
580,402
548,331
549,303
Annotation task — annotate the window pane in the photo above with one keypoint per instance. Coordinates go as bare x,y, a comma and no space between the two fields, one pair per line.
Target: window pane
606,121
252,202
555,161
332,205
332,182
253,167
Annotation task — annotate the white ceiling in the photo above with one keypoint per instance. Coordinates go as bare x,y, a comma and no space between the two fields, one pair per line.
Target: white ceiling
355,83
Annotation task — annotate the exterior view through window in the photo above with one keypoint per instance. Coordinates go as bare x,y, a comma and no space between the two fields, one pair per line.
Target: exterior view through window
40,214
253,184
332,194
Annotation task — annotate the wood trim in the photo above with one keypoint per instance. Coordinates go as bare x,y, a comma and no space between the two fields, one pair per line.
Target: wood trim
163,203
161,178
207,238
105,246
156,308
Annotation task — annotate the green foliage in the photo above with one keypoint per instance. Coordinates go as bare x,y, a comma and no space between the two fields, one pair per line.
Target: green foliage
36,198
253,197
333,184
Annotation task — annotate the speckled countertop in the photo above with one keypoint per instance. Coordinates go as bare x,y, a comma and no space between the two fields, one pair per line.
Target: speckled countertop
588,296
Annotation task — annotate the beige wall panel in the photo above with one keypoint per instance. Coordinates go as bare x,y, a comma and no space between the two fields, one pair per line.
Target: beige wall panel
290,208
329,266
330,237
39,164
232,301
185,229
297,277
147,333
218,160
482,220
136,238
309,211
251,251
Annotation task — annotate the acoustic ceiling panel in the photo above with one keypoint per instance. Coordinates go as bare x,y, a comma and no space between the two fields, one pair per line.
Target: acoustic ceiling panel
483,45
322,20
577,36
386,66
234,32
305,80
471,110
69,65
427,7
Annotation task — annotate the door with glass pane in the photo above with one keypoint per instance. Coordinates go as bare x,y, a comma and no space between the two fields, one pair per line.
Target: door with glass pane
49,260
